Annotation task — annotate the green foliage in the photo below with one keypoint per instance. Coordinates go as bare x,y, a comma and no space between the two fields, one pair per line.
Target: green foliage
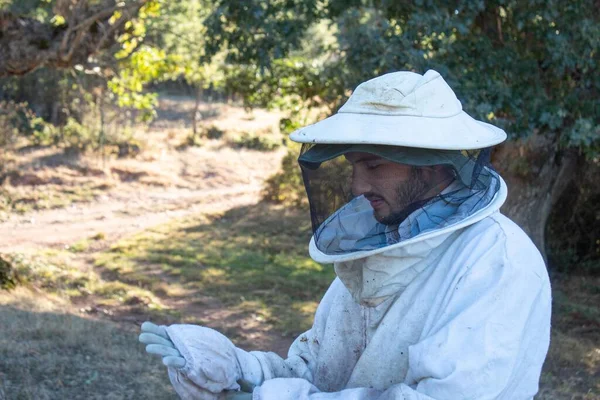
98,236
192,140
8,275
285,186
79,247
585,134
146,65
180,32
17,119
263,269
288,125
38,9
527,66
259,31
76,136
213,132
13,117
138,64
254,141
294,84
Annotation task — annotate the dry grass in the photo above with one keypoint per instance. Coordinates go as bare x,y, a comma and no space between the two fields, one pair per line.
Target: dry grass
47,352
62,274
247,256
572,369
41,178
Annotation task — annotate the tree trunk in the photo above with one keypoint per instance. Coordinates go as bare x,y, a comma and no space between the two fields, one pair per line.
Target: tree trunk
197,115
537,174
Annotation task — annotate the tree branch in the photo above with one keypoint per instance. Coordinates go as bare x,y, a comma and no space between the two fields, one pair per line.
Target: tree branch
27,44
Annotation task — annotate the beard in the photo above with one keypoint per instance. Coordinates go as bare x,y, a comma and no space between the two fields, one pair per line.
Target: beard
409,198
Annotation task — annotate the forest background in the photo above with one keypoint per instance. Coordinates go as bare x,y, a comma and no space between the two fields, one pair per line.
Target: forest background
95,88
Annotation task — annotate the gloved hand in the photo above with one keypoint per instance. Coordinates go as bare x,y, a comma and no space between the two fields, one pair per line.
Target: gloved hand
158,342
203,364
211,362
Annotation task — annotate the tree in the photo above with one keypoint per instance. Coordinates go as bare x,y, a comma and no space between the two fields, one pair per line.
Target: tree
181,33
64,33
527,66
86,54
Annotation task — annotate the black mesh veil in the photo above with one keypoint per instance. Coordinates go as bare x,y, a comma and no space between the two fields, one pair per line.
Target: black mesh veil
364,197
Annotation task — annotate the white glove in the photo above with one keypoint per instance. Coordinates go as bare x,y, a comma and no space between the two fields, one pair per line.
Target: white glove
203,364
158,342
211,361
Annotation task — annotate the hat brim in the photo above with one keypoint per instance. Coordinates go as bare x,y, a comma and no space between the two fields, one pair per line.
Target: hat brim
463,165
458,132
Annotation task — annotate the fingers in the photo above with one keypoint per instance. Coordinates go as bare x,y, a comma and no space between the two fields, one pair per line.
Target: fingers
162,350
158,342
174,362
149,327
151,338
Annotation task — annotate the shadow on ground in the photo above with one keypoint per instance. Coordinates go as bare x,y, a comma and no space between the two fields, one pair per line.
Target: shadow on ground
246,272
48,355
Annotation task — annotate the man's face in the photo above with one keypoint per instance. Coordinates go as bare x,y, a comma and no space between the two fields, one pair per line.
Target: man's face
389,187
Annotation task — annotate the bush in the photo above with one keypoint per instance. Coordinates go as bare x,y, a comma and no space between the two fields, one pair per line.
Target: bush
289,125
286,187
128,148
197,139
76,136
18,120
10,119
255,142
8,275
212,132
191,140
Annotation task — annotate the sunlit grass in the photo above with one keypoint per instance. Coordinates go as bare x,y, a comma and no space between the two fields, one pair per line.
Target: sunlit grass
252,254
58,273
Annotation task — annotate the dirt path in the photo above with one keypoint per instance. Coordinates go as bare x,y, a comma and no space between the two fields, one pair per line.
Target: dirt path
162,184
118,215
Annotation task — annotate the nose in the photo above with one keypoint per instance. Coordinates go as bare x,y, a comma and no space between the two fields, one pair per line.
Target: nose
360,185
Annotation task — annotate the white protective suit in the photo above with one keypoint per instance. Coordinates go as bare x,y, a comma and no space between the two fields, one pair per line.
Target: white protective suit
459,313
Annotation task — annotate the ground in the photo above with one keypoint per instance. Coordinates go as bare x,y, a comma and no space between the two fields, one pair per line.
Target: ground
178,234
69,209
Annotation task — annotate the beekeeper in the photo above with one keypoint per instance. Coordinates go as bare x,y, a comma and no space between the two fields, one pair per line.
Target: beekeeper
437,296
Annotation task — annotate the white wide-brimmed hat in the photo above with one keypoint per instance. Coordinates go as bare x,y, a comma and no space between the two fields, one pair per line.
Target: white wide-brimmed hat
403,109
